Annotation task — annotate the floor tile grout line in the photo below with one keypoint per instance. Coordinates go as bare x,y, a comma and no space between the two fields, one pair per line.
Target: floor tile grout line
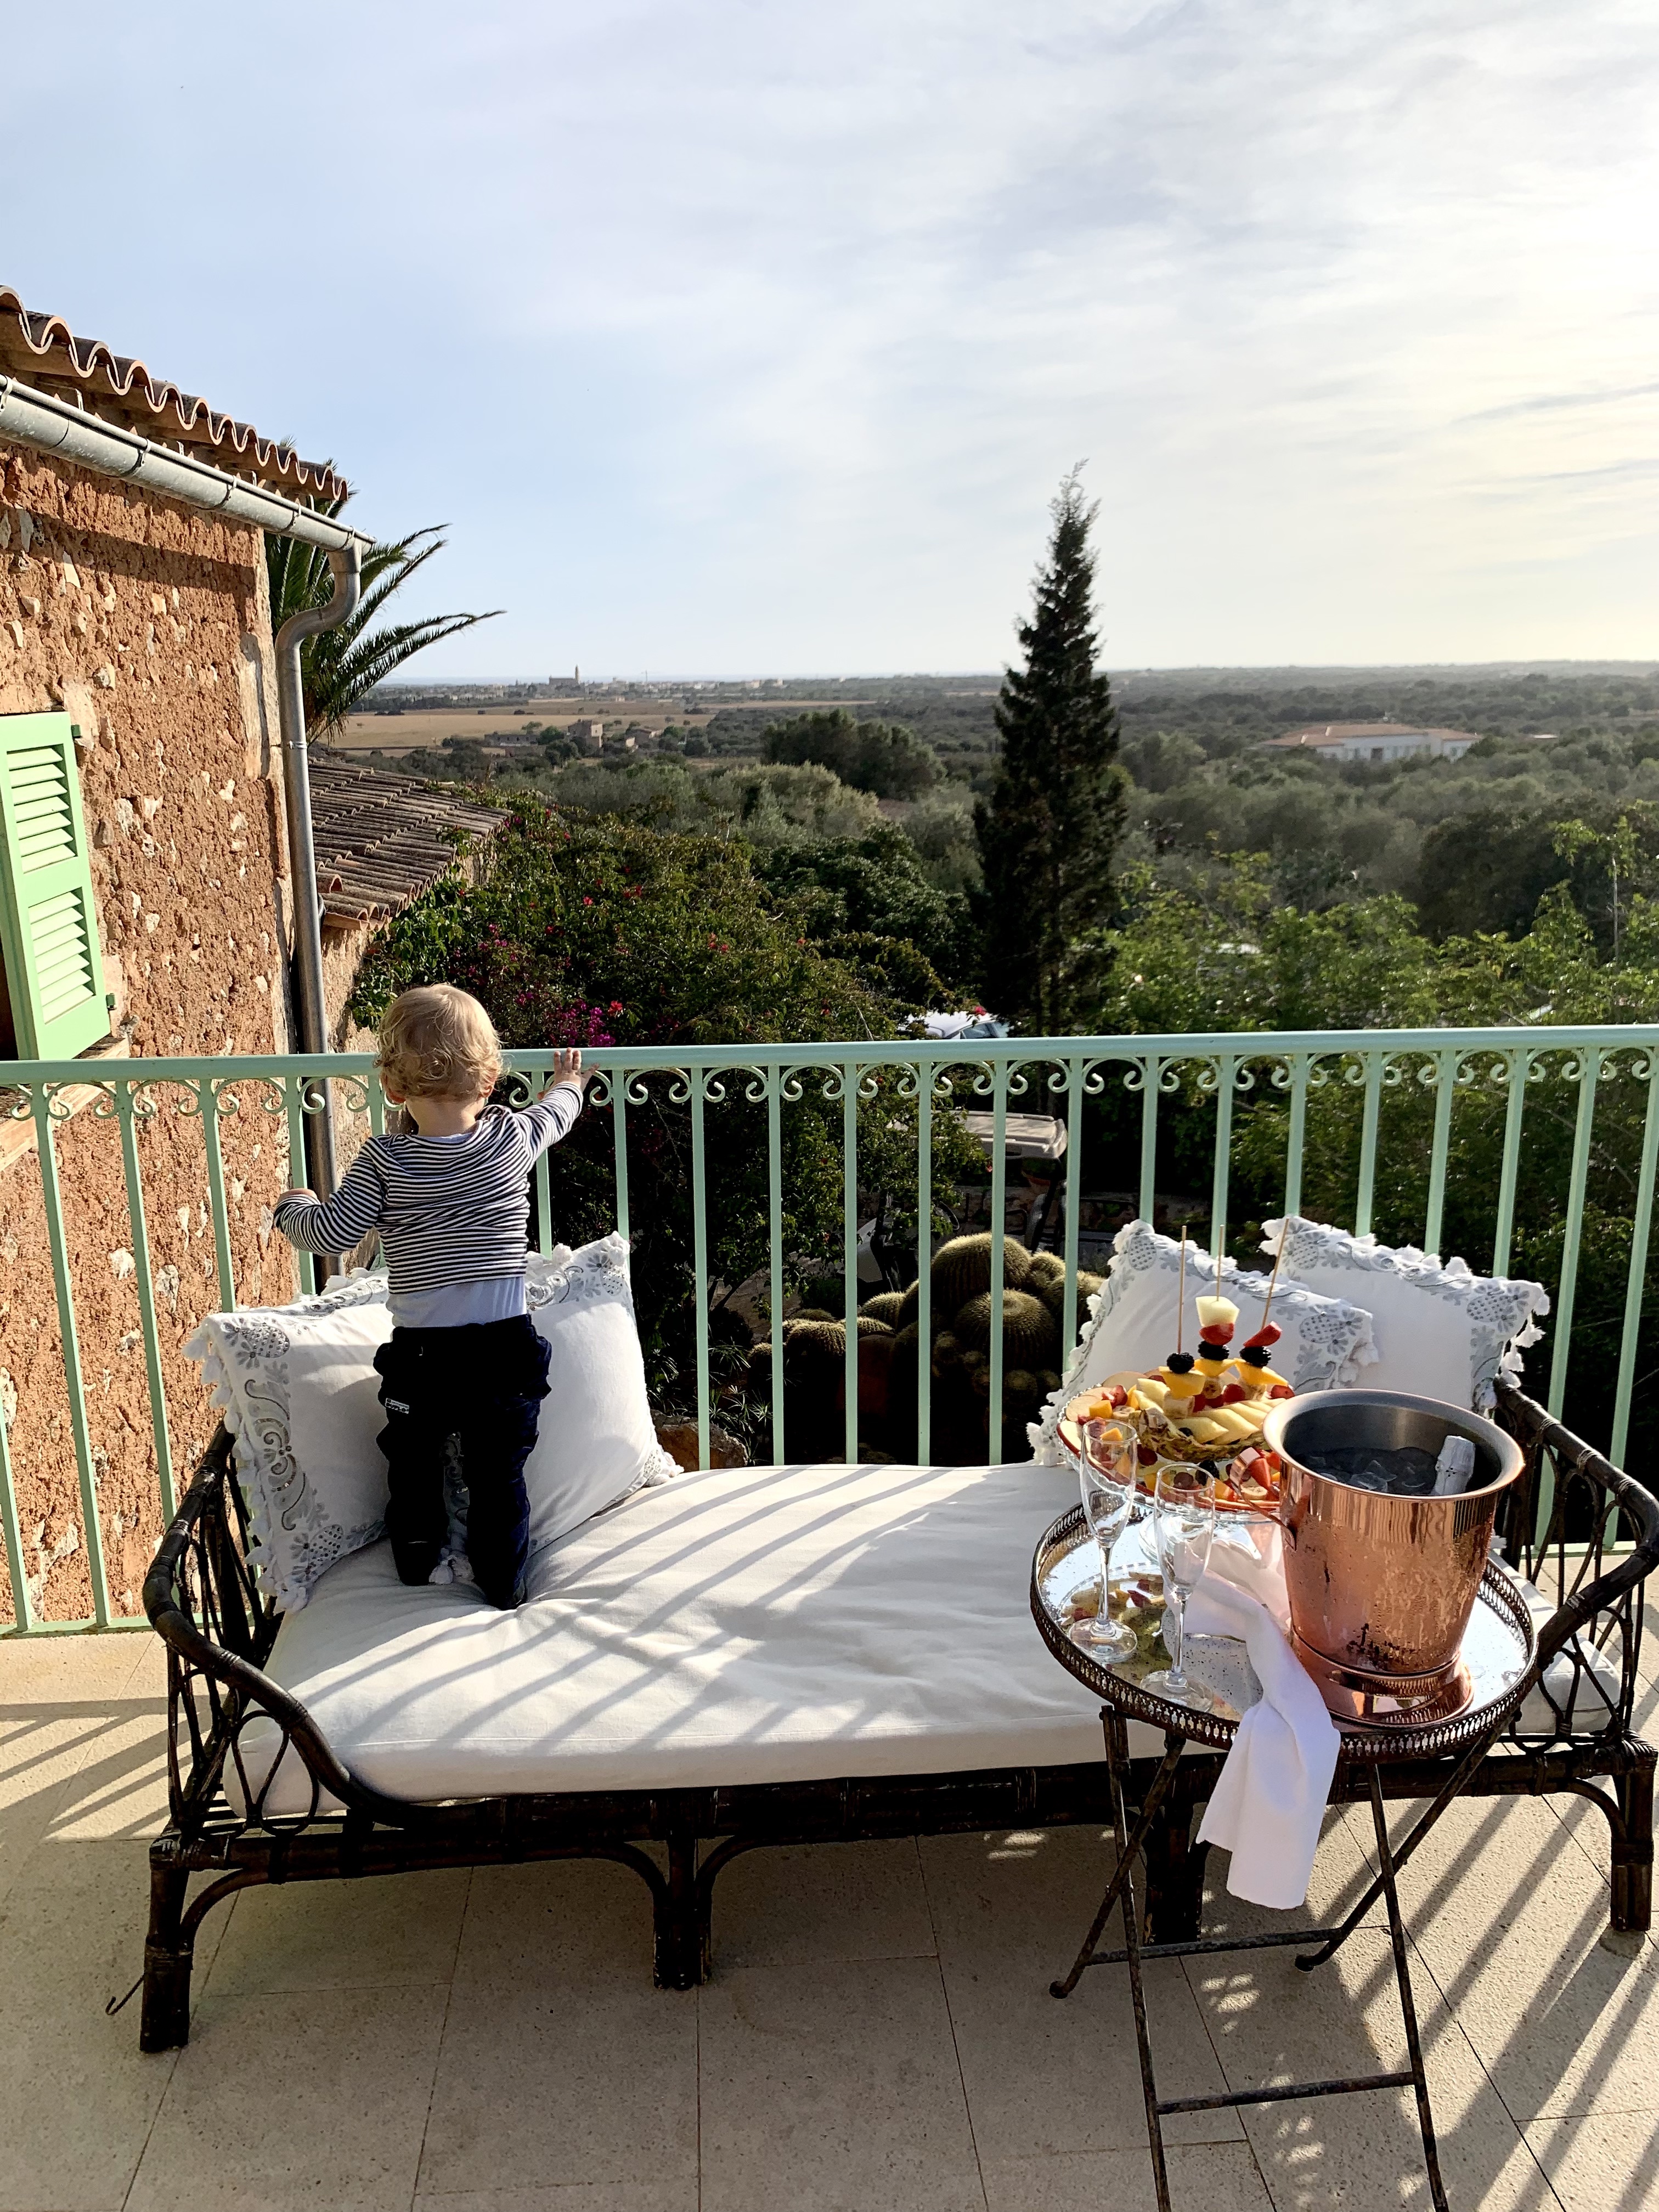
949,2018
443,2031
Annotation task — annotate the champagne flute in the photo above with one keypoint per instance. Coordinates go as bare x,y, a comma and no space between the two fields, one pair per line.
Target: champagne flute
1183,1527
1106,1475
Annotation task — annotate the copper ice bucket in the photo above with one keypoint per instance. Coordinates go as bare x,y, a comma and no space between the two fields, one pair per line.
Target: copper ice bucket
1381,1587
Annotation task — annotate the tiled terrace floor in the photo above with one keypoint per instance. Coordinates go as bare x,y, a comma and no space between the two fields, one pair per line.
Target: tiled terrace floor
878,2034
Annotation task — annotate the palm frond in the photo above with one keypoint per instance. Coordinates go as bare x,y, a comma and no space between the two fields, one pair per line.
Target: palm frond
338,666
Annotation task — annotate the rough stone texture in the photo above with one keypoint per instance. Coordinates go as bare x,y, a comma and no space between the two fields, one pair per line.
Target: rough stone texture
150,624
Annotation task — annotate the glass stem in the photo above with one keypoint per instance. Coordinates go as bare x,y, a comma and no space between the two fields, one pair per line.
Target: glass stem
1177,1607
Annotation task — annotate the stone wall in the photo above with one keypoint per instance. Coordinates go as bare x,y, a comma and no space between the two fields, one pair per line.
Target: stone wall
150,624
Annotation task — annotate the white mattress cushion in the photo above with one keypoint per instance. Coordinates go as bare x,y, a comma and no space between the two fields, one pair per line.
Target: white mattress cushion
1566,1697
746,1625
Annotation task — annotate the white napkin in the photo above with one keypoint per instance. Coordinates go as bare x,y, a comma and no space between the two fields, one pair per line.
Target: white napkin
1270,1798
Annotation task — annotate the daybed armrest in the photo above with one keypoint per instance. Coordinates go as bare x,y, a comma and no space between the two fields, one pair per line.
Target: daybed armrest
1586,1536
205,1602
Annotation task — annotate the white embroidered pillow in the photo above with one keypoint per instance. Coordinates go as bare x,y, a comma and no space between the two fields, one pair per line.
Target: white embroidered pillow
298,1390
1326,1340
596,1440
1441,1331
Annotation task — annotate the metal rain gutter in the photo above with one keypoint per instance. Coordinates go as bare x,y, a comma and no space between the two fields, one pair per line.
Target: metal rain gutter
28,418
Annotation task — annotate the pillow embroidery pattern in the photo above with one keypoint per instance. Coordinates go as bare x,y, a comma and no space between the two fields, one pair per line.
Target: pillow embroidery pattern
244,1358
1500,1312
1326,1341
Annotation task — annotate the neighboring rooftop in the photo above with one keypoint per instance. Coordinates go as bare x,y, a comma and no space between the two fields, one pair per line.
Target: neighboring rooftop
383,840
42,352
1374,740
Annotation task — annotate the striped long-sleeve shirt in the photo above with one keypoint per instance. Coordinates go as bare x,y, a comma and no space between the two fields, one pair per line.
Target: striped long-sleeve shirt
450,1210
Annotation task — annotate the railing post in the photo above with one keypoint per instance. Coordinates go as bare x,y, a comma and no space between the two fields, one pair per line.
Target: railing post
1152,1070
22,1612
926,1073
1520,1070
1300,1063
850,1205
696,1077
1589,1067
1636,1281
1445,1078
92,1528
208,1094
1226,1068
140,1232
998,1230
619,1147
774,1255
1075,1078
1373,1064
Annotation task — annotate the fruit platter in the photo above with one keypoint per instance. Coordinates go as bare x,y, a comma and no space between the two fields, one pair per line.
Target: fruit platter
1205,1408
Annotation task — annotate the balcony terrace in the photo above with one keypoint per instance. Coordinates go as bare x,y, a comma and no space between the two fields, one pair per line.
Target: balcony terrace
877,2030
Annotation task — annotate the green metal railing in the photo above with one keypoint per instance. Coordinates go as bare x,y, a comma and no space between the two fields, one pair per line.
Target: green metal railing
1168,1077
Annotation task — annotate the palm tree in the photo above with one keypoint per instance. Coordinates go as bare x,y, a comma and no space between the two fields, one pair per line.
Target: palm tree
338,666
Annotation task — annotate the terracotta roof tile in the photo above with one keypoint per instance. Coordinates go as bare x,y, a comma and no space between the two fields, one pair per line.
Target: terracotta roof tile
43,351
380,839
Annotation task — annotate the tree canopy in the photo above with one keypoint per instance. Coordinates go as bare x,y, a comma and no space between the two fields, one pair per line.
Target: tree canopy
1049,830
885,759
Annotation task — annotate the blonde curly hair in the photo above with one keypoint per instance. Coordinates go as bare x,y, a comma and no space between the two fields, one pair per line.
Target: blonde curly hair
436,1042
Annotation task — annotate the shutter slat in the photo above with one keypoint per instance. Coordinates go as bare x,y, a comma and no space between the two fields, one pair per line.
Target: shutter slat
45,816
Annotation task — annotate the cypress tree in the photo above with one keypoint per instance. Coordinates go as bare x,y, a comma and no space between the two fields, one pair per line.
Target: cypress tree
1048,833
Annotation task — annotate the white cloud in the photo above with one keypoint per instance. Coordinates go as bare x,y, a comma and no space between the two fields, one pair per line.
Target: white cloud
757,335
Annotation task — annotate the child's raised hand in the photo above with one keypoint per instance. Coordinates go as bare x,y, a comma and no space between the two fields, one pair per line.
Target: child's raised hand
567,1068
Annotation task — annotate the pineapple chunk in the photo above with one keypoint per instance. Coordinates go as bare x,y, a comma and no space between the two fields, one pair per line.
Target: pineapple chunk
1202,1428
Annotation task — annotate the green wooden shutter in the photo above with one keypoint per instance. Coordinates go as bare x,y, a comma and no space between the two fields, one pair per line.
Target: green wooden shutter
48,914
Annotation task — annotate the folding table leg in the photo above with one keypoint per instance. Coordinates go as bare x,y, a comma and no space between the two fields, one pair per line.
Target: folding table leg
1407,2006
1129,1842
1117,1753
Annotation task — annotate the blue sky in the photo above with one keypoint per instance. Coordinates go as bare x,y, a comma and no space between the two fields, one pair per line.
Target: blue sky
754,337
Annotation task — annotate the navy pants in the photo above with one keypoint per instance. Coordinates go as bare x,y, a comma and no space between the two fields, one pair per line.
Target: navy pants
484,1385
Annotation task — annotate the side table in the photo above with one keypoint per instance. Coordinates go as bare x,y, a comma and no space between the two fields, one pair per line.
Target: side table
1500,1653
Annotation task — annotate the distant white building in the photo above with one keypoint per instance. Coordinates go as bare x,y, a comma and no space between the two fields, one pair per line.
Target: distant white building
1373,741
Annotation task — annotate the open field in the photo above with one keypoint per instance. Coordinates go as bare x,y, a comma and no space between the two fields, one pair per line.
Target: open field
419,727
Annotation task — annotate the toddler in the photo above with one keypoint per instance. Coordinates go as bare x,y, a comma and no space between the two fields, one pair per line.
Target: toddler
450,1205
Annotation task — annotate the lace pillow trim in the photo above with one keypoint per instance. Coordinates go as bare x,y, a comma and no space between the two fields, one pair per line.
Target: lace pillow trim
1502,1311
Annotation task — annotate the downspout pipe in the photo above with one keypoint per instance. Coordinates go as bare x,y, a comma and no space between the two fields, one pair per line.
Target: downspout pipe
310,1004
